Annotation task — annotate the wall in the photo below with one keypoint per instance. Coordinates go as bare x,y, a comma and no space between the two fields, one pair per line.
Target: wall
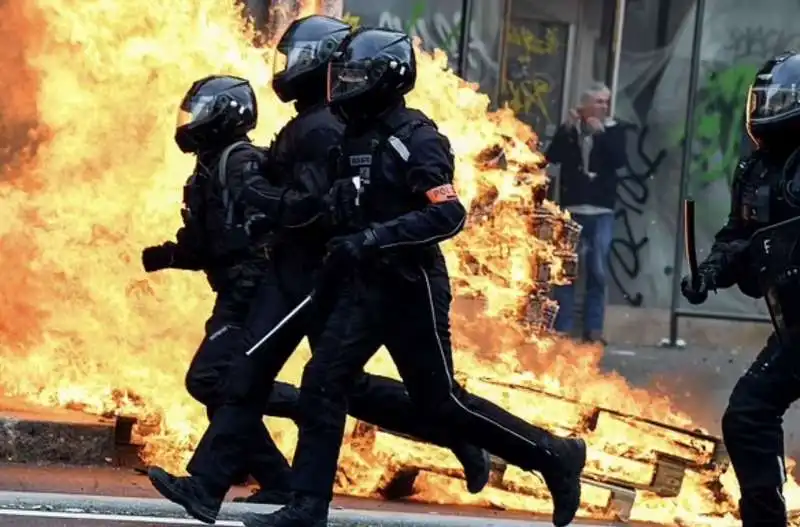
438,24
654,73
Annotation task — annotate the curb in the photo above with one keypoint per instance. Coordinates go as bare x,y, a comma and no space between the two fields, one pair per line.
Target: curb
43,436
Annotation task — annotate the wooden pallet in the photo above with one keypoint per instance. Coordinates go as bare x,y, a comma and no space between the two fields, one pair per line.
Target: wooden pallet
657,464
408,472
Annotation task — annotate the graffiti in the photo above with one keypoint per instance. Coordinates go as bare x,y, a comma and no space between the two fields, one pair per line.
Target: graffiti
719,126
527,89
532,45
633,193
436,30
524,96
759,43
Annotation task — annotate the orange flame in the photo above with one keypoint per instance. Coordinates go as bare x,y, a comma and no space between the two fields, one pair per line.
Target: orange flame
84,327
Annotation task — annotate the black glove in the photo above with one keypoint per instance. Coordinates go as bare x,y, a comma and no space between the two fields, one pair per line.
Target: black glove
350,249
158,257
258,225
340,202
697,293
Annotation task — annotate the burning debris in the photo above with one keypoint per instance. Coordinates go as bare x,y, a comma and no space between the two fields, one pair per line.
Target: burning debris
656,464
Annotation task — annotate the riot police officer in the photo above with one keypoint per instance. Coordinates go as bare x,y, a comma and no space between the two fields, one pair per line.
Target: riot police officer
217,237
297,210
395,288
755,250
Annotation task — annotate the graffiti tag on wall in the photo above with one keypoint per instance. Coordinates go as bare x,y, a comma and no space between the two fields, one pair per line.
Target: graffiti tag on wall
439,30
719,125
633,195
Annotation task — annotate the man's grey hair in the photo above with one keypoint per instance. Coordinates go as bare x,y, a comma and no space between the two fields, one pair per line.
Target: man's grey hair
593,90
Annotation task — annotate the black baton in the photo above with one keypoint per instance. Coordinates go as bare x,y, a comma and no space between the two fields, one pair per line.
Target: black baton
689,240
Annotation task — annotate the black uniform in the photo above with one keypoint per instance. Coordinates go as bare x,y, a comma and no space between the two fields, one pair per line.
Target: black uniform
297,211
755,250
397,293
214,118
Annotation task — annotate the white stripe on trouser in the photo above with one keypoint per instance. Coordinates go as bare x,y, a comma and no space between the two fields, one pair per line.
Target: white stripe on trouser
782,469
450,378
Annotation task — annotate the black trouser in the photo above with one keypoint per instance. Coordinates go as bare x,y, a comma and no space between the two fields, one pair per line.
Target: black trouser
207,379
411,318
223,450
753,432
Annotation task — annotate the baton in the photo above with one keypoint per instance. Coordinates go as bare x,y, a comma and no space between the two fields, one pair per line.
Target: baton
689,240
293,313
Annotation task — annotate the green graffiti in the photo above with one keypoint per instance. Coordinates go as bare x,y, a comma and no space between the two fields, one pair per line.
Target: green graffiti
417,14
719,124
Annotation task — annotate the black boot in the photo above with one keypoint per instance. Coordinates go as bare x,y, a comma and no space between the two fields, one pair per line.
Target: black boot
302,511
476,464
268,496
188,492
564,479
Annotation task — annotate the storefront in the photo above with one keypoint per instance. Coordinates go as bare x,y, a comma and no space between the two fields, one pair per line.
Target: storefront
534,55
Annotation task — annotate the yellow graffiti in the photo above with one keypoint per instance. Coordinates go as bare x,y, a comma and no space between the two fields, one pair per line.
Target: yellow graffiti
532,44
351,19
526,95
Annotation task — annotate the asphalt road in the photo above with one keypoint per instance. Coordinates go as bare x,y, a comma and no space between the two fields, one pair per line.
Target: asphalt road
71,497
27,509
699,381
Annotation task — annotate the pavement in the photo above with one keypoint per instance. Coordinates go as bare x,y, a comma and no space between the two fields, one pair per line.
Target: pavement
56,496
698,380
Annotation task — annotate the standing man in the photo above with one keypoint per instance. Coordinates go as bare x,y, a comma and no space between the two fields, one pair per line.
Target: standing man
590,152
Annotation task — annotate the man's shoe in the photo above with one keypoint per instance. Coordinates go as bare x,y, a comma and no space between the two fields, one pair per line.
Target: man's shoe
595,337
268,496
302,511
476,464
187,492
564,480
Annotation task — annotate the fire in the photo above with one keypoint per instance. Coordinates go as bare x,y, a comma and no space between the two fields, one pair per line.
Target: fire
84,327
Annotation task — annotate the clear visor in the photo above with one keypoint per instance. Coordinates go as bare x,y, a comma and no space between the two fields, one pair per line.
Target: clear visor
300,56
196,109
766,102
346,79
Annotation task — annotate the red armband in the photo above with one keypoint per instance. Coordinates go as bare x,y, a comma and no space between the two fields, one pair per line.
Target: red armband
441,194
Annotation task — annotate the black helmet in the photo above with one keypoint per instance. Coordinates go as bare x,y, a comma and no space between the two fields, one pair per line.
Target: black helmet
773,103
215,111
301,57
372,69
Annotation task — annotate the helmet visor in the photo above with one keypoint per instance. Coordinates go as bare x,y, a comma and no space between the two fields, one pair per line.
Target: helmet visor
195,109
346,79
772,101
300,56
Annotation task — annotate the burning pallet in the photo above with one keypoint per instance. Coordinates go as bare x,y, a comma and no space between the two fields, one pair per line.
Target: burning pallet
655,460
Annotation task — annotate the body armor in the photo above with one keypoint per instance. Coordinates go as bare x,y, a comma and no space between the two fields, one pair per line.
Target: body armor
775,251
772,253
375,160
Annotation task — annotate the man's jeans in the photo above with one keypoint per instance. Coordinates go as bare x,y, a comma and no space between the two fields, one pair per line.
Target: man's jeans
593,250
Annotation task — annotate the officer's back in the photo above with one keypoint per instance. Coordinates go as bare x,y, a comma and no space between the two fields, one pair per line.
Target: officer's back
299,155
